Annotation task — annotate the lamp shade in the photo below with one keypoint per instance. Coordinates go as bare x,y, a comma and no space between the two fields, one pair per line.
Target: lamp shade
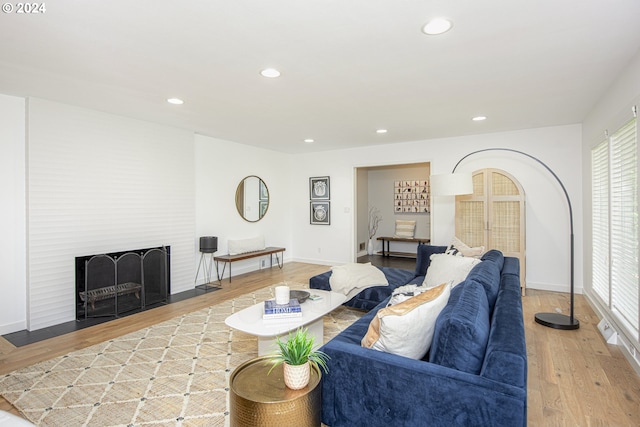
208,244
451,184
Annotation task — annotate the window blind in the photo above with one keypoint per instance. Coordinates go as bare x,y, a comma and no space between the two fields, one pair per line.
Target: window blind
624,225
600,220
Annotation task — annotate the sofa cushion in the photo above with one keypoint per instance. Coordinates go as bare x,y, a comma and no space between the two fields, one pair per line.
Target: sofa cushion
462,329
406,328
350,279
448,268
458,247
488,275
423,259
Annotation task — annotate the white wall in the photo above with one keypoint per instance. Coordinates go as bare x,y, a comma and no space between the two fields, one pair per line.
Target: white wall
547,225
101,183
361,213
220,166
610,112
13,280
324,244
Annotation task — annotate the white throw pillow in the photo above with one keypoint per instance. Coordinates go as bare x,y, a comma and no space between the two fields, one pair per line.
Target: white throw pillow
405,292
350,279
458,247
407,328
241,246
405,228
448,268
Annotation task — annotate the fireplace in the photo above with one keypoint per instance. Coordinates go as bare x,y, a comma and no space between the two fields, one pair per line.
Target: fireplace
118,283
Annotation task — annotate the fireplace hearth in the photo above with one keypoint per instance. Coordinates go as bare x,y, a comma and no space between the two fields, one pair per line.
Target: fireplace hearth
117,283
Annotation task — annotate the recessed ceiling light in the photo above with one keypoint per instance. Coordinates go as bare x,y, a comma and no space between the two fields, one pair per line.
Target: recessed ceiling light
479,118
437,26
270,72
381,131
175,101
308,141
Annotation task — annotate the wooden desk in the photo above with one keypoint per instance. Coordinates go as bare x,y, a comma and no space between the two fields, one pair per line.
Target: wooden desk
386,252
229,259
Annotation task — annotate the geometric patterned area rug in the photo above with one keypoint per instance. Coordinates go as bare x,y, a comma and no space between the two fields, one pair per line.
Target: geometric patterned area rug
175,373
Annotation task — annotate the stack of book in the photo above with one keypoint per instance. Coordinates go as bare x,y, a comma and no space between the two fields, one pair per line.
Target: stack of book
280,311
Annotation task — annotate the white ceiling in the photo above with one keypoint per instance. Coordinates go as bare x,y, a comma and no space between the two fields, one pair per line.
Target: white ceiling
348,67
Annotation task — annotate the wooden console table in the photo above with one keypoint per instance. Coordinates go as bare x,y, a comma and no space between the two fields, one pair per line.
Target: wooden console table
229,259
386,252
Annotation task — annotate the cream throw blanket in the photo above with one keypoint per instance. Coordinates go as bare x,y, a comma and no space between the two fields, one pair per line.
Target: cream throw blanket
351,279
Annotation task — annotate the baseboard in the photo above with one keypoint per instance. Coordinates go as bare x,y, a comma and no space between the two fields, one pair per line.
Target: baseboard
317,261
630,352
13,327
554,287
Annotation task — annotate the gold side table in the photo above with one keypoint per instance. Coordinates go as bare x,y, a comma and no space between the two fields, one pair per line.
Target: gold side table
261,400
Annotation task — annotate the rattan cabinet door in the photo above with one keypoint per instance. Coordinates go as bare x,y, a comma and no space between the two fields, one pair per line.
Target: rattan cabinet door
494,215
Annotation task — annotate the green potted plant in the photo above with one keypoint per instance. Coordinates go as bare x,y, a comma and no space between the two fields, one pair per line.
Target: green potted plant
297,354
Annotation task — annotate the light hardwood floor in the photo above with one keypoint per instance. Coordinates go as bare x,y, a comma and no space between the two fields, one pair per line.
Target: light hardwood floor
575,378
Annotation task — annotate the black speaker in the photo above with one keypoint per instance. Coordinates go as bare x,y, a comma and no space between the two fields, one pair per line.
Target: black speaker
208,244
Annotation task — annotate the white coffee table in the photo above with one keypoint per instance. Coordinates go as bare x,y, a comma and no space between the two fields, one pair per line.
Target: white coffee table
250,320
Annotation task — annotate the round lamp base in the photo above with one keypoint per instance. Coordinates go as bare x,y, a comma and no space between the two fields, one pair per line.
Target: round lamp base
557,321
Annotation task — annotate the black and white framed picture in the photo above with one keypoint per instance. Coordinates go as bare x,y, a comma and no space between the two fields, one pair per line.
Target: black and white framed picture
411,197
263,206
264,192
320,213
319,188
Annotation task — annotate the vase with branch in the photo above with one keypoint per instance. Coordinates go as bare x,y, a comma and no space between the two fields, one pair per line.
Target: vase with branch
374,221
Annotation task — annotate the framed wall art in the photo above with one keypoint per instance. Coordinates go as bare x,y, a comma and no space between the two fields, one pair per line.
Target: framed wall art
411,197
320,213
264,192
319,188
263,206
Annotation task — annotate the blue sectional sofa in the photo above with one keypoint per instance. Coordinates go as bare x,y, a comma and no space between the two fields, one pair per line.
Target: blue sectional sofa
475,373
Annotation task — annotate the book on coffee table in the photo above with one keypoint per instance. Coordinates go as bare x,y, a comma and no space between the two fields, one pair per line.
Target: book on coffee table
279,311
281,316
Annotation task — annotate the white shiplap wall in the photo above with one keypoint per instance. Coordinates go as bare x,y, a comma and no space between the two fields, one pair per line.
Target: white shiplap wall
100,183
12,215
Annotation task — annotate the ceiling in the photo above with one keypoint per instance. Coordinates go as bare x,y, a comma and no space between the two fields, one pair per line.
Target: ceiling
348,67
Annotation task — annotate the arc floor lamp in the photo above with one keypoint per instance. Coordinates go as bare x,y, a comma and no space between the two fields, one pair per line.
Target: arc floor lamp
461,183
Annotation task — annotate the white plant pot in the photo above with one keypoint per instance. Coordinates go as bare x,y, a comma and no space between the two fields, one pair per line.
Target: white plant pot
296,376
370,247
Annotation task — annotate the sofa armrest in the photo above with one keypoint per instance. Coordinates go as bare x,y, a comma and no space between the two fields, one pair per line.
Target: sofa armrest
321,281
506,357
366,387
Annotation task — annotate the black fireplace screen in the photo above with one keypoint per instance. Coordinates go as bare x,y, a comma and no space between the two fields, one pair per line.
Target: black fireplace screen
121,282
